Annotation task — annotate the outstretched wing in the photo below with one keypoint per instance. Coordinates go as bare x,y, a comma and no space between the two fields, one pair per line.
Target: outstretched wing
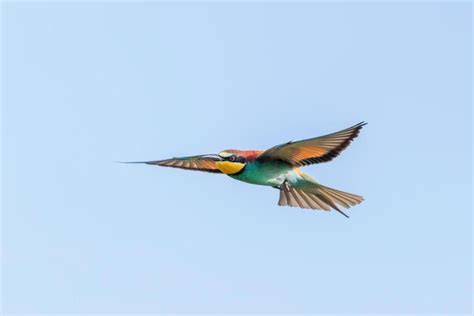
205,163
313,150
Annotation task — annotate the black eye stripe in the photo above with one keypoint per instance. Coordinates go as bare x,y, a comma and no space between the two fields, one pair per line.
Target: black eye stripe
235,158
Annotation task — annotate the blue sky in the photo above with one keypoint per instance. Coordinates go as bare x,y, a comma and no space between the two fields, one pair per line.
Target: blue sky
88,84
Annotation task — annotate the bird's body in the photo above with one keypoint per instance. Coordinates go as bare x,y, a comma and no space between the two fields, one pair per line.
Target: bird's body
272,173
261,173
279,167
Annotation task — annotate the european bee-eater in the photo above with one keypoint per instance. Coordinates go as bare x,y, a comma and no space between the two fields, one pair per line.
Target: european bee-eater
279,167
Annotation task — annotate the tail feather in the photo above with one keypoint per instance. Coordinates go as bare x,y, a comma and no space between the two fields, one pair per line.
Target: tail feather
317,197
330,201
344,197
283,199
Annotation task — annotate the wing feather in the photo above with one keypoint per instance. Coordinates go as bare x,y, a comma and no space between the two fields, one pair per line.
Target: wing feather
313,150
205,163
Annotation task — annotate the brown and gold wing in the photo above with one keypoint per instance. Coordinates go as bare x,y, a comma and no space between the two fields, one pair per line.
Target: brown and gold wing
205,163
313,150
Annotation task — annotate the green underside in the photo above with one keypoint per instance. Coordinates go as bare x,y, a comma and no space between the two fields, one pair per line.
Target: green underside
271,174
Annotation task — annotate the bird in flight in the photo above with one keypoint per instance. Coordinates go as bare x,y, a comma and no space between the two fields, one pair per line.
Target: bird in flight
279,167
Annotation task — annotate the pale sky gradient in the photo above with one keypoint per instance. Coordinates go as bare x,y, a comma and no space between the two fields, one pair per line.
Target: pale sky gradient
88,84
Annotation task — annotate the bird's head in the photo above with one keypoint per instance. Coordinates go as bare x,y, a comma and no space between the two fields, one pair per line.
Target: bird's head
233,160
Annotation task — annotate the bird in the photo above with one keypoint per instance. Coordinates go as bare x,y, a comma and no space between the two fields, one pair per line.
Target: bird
280,167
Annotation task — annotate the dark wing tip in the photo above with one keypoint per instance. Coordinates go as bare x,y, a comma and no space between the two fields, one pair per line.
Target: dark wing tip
140,162
359,125
357,129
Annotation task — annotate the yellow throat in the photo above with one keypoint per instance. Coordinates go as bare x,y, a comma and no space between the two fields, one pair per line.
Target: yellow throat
228,167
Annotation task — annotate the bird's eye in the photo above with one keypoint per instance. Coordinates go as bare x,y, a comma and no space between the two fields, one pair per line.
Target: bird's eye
232,158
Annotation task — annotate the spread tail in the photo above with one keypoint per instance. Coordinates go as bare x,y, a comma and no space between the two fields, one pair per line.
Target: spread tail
317,197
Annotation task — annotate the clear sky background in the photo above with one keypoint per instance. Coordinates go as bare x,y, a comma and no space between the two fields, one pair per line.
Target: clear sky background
88,84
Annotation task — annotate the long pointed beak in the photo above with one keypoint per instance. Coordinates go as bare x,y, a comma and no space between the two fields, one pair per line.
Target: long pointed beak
212,157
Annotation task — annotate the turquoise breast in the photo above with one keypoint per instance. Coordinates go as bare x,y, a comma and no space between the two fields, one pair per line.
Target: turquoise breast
262,173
